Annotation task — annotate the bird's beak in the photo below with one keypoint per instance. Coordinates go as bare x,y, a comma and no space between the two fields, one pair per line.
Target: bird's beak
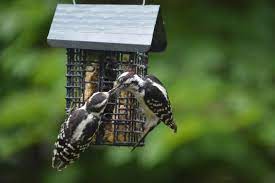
115,89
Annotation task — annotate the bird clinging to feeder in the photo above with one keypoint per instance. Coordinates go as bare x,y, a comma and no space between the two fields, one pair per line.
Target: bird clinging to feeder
77,131
152,97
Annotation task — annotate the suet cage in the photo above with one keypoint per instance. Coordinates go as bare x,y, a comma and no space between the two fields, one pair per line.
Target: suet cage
91,71
103,41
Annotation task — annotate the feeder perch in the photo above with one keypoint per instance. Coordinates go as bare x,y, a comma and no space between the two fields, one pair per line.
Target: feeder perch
103,41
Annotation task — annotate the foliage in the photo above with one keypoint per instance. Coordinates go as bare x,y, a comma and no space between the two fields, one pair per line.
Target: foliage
219,70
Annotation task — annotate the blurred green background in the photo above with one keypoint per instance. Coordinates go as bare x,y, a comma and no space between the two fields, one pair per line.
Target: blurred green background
219,69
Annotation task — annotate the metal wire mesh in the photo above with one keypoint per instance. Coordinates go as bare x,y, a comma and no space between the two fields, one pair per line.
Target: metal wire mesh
91,71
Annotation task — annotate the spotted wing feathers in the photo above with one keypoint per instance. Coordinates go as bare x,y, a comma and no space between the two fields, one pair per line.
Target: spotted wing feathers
157,100
67,149
75,118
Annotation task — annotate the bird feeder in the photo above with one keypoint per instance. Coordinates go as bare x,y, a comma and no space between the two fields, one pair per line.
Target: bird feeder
103,41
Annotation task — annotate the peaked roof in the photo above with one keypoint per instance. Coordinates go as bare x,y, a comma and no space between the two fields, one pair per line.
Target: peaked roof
130,28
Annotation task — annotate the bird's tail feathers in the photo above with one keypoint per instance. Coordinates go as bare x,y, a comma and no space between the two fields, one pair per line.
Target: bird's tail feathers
58,164
171,124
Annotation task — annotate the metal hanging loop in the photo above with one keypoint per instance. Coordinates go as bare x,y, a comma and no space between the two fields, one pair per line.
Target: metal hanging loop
143,3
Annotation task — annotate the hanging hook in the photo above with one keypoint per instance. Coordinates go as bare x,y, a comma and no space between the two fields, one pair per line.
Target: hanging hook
143,3
74,2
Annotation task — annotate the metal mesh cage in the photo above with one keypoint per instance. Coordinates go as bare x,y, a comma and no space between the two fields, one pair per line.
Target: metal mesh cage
91,71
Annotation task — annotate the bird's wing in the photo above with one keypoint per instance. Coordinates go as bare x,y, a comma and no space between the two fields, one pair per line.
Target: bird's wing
66,151
73,121
158,103
90,130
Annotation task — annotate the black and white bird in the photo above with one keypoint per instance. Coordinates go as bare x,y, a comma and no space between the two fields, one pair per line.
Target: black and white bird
152,97
77,131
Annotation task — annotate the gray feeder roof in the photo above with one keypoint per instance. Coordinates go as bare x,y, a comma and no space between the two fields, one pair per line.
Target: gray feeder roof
130,28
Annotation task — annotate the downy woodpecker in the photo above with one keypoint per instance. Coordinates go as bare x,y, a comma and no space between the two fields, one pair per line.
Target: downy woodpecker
77,131
152,97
